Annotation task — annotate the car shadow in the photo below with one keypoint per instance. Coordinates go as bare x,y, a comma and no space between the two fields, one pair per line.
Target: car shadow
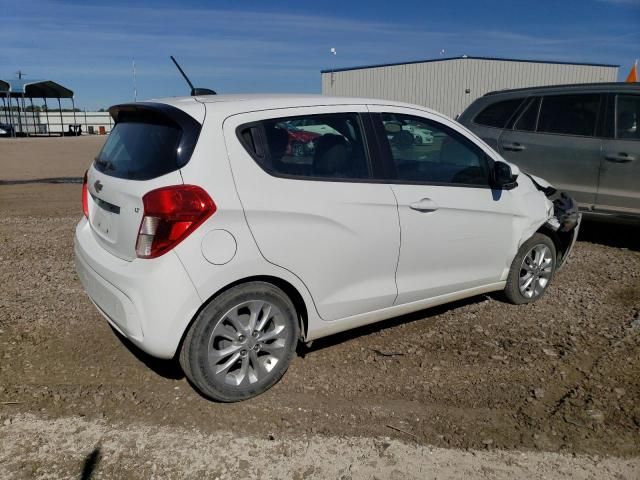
382,325
166,368
618,235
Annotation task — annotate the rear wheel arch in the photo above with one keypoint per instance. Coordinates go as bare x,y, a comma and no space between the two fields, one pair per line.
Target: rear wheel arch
291,291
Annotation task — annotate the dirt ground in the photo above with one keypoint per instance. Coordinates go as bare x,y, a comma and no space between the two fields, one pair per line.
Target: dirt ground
47,157
472,384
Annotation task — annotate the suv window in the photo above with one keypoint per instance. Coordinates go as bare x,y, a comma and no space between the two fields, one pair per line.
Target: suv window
498,114
330,146
628,117
529,118
428,152
569,114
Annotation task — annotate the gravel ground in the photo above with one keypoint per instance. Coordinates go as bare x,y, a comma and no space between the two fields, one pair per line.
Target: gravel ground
561,375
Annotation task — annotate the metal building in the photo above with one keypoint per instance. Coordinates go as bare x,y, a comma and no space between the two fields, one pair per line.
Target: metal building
449,85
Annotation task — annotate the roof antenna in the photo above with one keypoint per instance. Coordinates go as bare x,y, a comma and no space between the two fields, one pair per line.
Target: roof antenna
194,91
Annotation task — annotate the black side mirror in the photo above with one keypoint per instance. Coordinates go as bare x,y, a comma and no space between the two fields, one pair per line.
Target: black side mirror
503,177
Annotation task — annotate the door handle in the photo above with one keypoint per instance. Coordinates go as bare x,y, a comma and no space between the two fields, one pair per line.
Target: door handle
621,157
514,147
425,205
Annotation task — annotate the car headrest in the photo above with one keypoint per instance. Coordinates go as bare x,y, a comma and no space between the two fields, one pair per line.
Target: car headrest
331,156
278,139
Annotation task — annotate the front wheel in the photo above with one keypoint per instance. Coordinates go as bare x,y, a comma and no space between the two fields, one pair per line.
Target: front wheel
532,270
241,343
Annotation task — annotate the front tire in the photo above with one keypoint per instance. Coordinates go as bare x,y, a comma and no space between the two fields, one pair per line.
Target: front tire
241,343
532,270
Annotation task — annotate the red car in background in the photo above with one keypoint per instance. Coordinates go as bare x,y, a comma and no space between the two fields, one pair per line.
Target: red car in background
301,142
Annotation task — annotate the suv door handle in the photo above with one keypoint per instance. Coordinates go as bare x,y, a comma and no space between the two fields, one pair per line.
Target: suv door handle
514,147
425,205
619,157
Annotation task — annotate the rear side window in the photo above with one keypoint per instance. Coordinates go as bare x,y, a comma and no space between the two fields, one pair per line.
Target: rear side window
569,114
628,117
328,146
498,114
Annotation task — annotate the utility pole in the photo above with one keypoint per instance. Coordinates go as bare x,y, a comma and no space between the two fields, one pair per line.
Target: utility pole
333,52
135,88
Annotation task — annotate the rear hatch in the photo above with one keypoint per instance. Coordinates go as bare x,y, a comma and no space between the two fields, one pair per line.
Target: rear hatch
145,150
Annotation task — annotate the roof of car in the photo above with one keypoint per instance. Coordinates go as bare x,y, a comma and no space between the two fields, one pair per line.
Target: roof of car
609,86
268,101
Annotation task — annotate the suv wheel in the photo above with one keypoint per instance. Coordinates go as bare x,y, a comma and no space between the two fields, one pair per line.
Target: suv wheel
532,270
241,343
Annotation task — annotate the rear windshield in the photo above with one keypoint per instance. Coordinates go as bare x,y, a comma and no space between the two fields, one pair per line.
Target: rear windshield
140,150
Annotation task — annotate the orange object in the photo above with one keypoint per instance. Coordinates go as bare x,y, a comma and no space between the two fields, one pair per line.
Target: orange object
633,74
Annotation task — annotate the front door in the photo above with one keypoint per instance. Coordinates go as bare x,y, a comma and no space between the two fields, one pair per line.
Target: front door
457,233
619,190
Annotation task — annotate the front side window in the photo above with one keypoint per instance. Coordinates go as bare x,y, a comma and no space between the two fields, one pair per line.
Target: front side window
628,117
425,151
326,146
569,114
498,114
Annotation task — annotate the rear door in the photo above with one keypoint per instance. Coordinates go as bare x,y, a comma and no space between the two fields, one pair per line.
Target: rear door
554,138
144,151
619,190
304,179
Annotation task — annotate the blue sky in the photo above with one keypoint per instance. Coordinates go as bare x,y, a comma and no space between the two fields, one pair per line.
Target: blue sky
281,46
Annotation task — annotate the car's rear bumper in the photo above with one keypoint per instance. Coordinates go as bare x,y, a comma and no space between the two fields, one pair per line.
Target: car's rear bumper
147,301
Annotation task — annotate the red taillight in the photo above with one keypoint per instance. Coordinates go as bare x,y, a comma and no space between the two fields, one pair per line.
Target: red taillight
85,196
171,214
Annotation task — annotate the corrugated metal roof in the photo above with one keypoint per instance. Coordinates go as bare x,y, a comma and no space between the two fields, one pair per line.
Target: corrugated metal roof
464,56
36,88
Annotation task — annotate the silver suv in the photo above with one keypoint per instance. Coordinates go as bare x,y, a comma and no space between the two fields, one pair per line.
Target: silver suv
585,139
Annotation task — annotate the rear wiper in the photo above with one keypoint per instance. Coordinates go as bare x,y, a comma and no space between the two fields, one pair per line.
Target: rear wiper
106,165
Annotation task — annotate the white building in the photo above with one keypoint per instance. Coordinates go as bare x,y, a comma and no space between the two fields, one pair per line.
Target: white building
449,85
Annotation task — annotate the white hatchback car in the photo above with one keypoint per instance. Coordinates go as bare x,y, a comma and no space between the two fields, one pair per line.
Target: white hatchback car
203,238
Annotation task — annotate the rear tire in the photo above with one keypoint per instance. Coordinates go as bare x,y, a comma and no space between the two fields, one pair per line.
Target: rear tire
532,270
241,343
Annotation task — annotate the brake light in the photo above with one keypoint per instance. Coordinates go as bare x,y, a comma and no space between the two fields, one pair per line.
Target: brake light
85,196
171,214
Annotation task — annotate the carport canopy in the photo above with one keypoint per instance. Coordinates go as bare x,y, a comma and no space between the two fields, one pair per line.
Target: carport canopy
20,89
34,89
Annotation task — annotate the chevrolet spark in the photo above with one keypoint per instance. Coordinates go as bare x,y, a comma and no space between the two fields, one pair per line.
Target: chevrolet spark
209,237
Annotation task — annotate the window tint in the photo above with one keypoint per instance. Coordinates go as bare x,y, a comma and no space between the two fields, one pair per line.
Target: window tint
528,119
320,146
140,150
569,114
628,117
498,114
425,151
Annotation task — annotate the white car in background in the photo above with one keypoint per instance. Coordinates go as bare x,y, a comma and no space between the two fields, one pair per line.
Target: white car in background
205,238
421,135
